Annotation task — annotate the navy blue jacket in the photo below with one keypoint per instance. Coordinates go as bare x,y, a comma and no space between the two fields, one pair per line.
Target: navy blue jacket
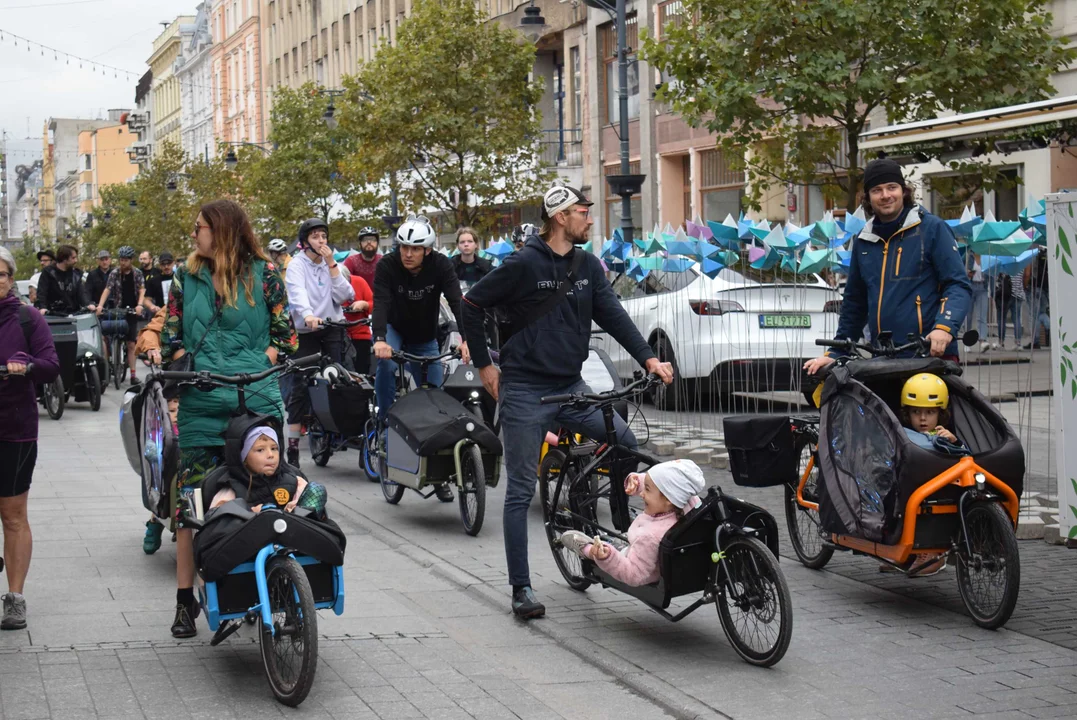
911,282
552,350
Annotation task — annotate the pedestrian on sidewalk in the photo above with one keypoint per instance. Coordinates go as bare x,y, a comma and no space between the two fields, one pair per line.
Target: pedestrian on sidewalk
1009,296
551,290
906,275
227,308
27,351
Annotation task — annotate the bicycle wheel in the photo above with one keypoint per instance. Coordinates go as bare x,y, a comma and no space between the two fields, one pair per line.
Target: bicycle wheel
754,605
804,524
55,398
990,579
320,447
116,359
369,456
472,494
93,387
391,490
290,652
561,511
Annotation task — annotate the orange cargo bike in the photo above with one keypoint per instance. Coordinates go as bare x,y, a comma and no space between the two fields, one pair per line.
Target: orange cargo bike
855,481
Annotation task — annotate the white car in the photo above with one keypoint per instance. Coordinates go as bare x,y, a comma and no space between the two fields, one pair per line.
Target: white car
734,332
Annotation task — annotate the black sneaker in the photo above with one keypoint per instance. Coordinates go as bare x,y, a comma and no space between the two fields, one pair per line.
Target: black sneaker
293,457
183,626
444,493
525,605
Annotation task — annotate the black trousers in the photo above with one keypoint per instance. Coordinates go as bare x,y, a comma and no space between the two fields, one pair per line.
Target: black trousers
362,355
328,342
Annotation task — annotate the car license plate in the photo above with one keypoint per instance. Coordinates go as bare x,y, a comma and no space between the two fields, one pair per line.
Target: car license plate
785,321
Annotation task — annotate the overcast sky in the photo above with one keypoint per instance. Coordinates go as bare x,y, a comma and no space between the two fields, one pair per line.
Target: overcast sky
115,32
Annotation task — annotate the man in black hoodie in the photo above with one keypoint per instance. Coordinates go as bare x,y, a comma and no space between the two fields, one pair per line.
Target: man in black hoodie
545,356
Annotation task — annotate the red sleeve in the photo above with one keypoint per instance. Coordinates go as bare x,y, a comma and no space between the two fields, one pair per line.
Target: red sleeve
362,292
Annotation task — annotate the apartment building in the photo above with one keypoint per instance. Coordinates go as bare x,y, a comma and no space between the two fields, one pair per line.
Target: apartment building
166,85
103,161
60,153
194,70
239,97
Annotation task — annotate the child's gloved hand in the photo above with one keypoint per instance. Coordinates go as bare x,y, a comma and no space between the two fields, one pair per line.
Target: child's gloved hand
945,434
599,549
632,483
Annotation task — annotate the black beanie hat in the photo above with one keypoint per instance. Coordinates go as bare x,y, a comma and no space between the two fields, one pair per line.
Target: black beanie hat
883,170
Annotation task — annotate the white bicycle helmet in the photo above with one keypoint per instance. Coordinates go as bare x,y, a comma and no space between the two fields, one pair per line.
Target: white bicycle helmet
277,245
416,231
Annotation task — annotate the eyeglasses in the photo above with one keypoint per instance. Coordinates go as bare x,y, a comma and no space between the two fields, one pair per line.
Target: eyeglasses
5,276
584,211
198,227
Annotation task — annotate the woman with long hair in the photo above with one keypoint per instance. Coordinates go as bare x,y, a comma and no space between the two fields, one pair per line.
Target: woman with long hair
227,307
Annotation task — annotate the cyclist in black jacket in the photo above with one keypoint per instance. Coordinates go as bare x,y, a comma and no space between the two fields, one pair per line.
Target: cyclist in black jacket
408,285
62,289
545,356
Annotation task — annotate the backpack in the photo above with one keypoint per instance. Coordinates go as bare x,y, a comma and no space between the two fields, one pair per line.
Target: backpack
26,322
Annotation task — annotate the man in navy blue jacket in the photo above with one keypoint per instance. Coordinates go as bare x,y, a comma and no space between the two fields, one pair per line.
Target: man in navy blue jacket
905,273
544,356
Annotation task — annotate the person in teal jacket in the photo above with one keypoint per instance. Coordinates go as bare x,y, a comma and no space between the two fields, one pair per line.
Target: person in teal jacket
228,307
905,272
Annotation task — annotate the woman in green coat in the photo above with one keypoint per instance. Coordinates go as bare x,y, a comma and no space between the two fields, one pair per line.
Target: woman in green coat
228,308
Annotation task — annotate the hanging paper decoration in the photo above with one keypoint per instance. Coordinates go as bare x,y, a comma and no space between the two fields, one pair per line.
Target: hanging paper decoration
789,262
768,258
855,223
588,246
705,250
744,228
711,268
650,263
500,250
814,261
964,226
705,233
1011,246
636,271
995,264
655,246
725,233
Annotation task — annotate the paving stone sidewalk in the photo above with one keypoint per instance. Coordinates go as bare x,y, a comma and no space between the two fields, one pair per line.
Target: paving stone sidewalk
410,645
858,649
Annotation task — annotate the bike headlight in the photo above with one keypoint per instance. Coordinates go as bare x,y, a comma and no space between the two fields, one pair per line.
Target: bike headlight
279,526
475,394
470,427
980,481
89,355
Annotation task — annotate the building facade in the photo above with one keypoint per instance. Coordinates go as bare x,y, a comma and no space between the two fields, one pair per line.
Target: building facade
103,161
166,85
60,151
238,99
194,70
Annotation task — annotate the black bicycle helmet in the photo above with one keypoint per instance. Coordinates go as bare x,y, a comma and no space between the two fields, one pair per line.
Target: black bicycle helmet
520,233
126,252
308,227
368,232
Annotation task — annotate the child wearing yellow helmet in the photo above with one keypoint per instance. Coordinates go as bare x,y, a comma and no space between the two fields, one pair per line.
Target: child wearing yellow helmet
924,402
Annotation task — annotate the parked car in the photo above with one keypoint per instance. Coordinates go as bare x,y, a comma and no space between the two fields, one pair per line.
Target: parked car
741,331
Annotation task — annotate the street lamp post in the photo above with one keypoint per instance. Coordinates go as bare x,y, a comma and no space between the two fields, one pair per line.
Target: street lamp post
624,184
230,160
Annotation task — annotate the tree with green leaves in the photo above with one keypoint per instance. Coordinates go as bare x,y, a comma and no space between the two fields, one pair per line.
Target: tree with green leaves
302,177
450,110
788,86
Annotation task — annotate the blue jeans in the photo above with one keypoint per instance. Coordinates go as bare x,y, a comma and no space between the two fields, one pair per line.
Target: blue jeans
385,381
1039,310
1013,308
524,423
978,310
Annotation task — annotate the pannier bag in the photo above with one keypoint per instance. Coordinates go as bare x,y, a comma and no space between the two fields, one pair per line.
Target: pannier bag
761,450
131,426
233,535
429,420
159,450
342,409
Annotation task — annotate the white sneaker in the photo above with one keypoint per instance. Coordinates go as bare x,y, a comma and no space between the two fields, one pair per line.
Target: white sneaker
985,346
576,541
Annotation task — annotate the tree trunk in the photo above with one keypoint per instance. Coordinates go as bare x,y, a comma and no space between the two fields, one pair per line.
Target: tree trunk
852,134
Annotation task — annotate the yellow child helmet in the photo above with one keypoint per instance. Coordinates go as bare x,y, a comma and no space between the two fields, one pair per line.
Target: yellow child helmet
925,390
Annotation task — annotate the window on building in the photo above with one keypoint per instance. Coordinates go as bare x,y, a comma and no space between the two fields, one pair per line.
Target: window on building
87,191
87,162
686,180
722,186
577,86
613,203
608,47
951,193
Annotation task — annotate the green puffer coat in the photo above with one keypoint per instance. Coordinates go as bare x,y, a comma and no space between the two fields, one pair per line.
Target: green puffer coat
235,344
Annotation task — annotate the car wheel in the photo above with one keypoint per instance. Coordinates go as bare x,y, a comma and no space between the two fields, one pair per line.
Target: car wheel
674,395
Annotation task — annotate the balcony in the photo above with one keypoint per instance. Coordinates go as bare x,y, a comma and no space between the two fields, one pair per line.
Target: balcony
561,147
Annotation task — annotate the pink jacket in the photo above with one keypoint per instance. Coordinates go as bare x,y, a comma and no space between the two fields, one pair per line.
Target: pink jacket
638,563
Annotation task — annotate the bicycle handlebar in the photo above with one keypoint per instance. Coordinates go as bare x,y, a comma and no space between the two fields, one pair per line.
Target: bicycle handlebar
204,376
5,373
345,323
600,398
401,357
915,343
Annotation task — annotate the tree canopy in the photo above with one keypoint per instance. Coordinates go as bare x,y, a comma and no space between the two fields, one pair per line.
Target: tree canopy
789,85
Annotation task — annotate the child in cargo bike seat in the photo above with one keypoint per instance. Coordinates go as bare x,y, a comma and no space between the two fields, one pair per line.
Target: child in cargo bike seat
263,478
924,402
669,490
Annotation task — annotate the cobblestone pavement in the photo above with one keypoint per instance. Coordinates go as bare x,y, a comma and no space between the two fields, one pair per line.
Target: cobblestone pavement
411,644
859,648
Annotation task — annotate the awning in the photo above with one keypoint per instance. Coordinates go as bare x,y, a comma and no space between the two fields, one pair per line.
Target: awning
971,125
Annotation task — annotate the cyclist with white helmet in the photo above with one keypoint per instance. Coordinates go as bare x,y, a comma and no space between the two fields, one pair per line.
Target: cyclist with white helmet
408,286
317,290
278,253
